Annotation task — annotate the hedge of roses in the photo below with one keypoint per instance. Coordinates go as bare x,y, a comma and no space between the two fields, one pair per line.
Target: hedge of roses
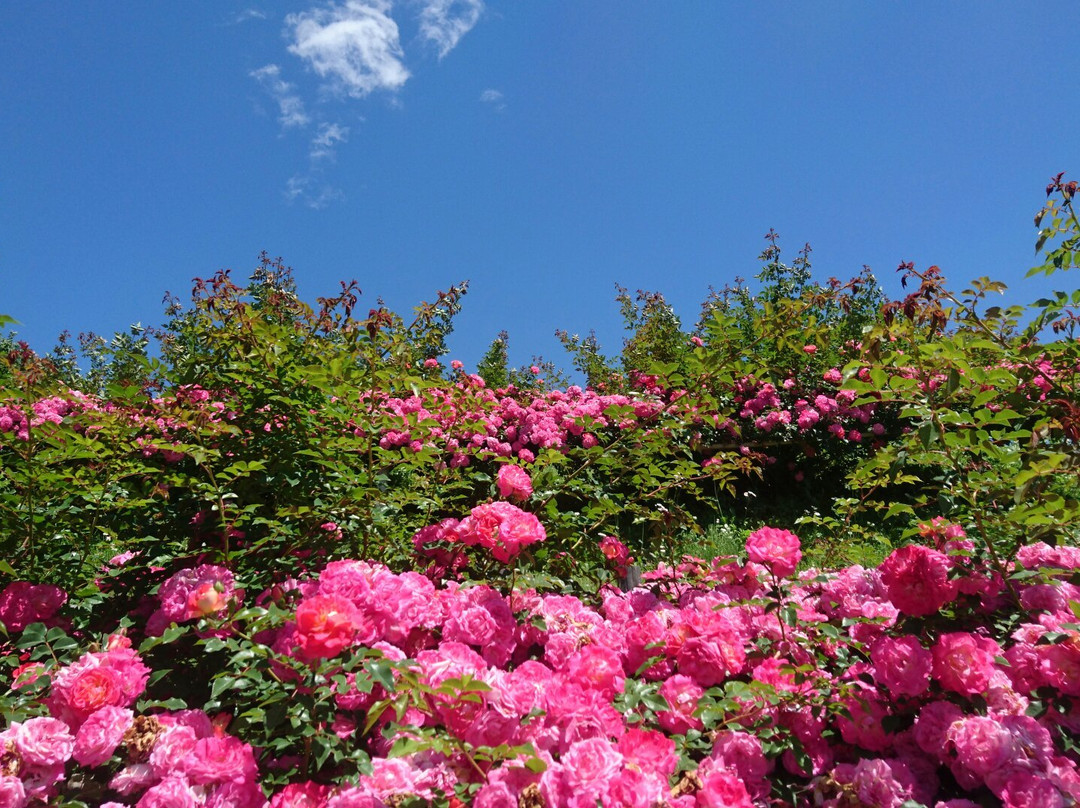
932,680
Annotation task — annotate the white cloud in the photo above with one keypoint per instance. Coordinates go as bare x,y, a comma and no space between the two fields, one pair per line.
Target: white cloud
311,191
356,46
248,14
445,22
290,105
326,139
493,98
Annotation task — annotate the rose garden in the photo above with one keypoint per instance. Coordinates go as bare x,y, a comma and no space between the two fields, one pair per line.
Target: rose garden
819,550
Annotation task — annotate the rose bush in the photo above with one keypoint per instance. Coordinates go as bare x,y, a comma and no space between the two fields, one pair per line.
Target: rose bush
695,690
298,560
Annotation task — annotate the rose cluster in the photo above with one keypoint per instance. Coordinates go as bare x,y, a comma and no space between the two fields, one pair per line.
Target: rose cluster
922,681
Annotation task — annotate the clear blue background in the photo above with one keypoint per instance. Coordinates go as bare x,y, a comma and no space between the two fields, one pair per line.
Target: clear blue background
642,143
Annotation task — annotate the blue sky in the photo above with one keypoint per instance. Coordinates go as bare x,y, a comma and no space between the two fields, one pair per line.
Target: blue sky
543,150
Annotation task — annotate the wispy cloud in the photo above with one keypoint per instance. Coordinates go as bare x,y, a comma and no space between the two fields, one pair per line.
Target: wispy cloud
290,105
355,46
494,97
248,14
445,22
324,144
311,191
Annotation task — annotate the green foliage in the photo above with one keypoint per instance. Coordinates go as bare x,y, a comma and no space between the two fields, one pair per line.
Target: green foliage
494,367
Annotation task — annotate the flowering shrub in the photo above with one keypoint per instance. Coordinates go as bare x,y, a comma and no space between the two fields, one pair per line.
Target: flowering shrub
722,683
301,561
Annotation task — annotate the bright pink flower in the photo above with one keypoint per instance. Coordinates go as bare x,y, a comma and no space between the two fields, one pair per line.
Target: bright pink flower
1028,789
12,791
882,783
682,695
172,792
325,625
301,795
218,760
598,668
113,678
43,741
742,753
650,750
917,580
514,483
590,764
982,744
775,549
1059,664
902,665
712,658
616,552
502,528
963,662
195,592
721,787
932,726
23,603
100,734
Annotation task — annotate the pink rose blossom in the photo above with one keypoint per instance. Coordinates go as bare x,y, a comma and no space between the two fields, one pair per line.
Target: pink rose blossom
902,665
100,734
682,695
43,741
775,549
12,791
325,625
502,528
514,483
721,787
963,662
172,792
23,603
917,580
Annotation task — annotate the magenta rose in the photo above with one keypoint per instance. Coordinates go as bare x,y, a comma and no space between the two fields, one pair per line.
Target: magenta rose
775,549
917,579
44,741
325,625
514,483
100,734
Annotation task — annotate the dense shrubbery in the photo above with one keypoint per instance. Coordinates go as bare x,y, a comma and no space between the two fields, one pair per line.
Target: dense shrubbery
294,554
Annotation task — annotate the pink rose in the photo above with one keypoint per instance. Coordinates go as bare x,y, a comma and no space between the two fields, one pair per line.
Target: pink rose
96,688
775,549
590,764
43,741
23,603
502,528
964,663
219,760
172,792
901,665
917,579
304,795
325,625
721,787
100,734
514,483
13,793
982,744
682,695
650,750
